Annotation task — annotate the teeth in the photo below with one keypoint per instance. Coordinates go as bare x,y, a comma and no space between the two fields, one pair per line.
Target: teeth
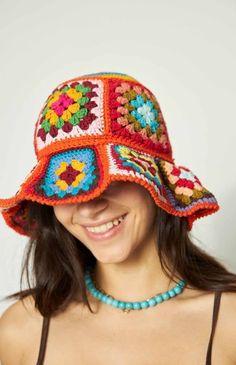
105,227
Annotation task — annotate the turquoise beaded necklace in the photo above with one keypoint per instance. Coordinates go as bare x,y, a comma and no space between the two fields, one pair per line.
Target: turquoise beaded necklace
128,306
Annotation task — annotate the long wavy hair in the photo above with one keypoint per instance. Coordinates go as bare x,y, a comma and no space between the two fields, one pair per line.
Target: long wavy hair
56,277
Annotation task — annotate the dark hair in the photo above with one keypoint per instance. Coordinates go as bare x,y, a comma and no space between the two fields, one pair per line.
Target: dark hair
59,260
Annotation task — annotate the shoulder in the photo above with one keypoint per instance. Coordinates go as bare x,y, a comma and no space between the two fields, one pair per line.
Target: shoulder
16,324
225,332
227,322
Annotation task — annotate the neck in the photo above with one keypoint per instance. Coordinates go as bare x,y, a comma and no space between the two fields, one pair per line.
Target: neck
133,280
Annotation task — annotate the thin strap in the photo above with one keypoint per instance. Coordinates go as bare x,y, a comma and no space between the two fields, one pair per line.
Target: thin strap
43,342
214,322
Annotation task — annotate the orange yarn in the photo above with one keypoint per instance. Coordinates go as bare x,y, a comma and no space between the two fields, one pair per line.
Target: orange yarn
100,128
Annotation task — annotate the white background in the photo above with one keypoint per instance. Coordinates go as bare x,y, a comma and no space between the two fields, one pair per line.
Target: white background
184,51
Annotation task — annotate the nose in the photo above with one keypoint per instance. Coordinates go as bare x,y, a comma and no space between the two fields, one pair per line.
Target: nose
100,203
93,207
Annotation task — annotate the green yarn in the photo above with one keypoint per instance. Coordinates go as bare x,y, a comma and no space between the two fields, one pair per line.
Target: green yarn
84,90
82,101
46,125
59,123
81,113
64,90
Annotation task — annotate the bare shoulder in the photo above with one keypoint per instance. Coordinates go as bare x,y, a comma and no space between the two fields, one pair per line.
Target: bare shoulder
228,311
227,322
225,337
17,322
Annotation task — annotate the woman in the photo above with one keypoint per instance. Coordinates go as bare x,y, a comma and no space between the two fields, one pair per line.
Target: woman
108,214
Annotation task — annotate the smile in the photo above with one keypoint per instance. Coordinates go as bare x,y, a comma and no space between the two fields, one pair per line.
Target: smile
106,230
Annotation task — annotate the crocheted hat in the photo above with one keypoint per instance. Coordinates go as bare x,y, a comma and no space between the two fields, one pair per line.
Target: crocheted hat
98,128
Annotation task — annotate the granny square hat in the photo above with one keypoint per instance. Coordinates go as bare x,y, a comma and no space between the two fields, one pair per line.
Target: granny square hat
98,128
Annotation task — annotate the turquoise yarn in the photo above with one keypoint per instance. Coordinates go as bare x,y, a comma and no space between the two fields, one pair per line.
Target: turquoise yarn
127,306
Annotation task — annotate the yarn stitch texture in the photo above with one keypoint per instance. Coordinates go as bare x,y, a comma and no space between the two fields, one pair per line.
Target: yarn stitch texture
99,128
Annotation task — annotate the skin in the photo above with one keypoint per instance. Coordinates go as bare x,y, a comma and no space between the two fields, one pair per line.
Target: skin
127,266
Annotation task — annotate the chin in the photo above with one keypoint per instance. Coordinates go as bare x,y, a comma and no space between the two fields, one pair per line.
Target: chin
111,257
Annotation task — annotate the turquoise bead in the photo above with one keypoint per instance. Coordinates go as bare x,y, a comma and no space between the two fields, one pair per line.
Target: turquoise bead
115,303
172,293
158,299
151,302
109,300
177,290
136,305
99,295
165,295
105,298
128,305
122,305
144,304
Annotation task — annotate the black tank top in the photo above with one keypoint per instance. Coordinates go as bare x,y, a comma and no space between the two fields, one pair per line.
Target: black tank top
46,321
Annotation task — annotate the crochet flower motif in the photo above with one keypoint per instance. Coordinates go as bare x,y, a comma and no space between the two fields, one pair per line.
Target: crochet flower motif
70,172
135,111
185,185
66,108
145,113
142,163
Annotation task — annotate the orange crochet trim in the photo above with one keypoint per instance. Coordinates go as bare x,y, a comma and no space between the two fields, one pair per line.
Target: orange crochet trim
99,128
100,140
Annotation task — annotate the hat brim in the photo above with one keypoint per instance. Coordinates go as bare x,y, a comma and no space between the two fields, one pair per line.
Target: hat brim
81,174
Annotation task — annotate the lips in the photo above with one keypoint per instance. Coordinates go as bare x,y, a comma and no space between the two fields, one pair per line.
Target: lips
115,230
102,222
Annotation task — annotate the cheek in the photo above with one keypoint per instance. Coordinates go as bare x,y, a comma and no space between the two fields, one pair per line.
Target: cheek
148,212
63,214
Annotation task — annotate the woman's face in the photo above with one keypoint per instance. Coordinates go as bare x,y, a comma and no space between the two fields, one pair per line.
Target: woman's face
118,241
